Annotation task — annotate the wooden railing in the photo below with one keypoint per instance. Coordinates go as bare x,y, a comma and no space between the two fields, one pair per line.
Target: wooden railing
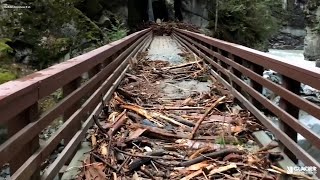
230,63
106,66
19,105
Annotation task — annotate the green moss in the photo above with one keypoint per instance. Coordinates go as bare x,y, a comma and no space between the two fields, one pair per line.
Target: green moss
5,48
117,32
245,22
6,76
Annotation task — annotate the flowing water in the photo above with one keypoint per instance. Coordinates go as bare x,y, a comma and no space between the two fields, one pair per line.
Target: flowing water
306,119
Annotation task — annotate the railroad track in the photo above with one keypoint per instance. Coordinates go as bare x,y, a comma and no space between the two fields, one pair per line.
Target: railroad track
106,67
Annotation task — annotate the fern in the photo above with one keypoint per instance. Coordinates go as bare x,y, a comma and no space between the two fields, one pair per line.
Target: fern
5,48
117,32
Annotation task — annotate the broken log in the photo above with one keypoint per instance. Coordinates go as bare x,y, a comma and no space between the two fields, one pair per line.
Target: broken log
120,121
181,65
205,115
221,153
159,133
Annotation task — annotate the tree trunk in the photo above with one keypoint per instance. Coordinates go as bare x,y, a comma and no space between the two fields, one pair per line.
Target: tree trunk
150,11
217,16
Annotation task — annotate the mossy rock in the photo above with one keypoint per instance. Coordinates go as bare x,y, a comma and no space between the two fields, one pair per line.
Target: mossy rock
5,48
6,76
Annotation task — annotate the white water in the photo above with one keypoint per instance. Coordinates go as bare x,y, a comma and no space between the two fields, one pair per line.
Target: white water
294,55
297,55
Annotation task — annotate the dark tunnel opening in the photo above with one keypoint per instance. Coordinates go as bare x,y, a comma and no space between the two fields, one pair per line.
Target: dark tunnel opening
138,12
160,10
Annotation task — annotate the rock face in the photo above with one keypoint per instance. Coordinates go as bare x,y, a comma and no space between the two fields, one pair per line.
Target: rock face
195,12
48,30
292,33
312,40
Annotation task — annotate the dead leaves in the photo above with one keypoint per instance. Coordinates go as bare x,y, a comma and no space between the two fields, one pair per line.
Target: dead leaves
94,171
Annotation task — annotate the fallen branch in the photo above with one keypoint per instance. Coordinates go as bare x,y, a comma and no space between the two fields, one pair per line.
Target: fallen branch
158,115
147,156
126,94
175,108
197,173
96,121
121,119
181,65
142,112
182,120
222,169
105,162
146,172
159,133
141,161
221,153
205,115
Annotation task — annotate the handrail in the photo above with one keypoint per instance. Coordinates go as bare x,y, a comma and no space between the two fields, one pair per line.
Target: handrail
230,62
19,104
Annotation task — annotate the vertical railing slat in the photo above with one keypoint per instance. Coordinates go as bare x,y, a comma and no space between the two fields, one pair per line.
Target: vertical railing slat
31,114
293,86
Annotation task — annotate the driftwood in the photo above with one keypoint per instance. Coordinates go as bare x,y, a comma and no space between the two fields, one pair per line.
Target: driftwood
160,133
120,121
221,153
205,115
141,161
181,65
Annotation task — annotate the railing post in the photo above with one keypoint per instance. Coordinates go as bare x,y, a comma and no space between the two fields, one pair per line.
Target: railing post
67,89
222,64
213,57
31,114
293,86
235,71
255,85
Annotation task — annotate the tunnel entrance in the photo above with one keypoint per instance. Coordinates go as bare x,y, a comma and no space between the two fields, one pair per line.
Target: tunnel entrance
138,11
160,10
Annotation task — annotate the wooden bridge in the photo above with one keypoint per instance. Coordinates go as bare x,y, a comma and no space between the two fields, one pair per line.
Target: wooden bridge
106,66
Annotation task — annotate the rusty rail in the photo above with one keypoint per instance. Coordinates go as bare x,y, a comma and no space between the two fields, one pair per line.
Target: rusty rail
19,104
231,62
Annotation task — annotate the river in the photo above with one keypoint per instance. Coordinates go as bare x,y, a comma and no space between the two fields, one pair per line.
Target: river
305,118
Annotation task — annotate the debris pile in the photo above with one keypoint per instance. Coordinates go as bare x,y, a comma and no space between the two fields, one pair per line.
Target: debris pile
143,134
166,28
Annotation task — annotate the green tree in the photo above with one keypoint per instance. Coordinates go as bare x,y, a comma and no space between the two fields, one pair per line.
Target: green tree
247,22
